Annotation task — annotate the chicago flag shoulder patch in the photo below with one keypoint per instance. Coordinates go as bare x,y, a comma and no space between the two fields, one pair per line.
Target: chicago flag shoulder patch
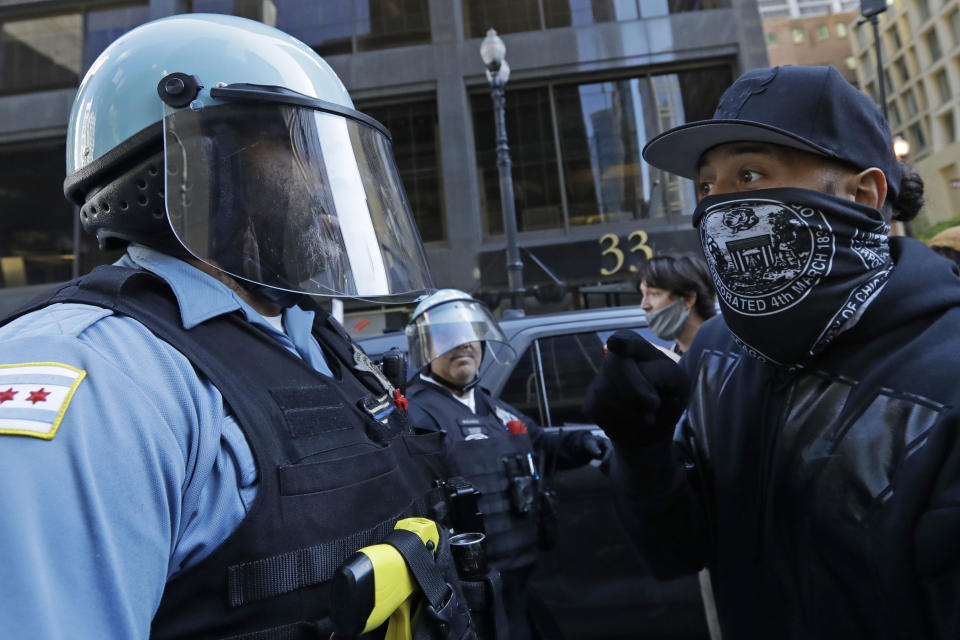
34,397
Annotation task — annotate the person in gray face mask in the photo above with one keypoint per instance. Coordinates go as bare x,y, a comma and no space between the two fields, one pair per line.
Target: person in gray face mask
677,297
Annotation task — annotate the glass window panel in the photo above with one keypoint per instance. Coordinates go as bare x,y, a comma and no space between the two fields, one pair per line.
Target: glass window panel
536,182
382,24
212,6
923,7
682,6
894,112
895,37
933,44
943,86
103,26
41,53
841,30
506,16
771,39
577,13
949,127
570,364
36,228
822,32
416,147
911,101
799,35
902,71
520,390
955,26
325,26
916,132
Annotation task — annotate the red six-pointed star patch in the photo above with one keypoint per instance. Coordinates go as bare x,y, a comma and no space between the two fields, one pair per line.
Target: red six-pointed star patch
7,395
38,396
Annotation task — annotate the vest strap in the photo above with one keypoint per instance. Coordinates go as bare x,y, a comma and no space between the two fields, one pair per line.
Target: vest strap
268,577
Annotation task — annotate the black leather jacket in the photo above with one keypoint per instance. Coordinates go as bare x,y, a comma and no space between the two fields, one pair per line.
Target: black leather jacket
826,502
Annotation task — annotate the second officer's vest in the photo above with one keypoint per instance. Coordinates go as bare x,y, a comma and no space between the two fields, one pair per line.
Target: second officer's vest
483,451
337,464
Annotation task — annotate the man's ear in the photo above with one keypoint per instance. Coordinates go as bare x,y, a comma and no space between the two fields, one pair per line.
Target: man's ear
869,187
690,299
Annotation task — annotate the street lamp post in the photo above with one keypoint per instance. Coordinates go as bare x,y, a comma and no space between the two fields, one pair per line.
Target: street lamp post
871,10
493,52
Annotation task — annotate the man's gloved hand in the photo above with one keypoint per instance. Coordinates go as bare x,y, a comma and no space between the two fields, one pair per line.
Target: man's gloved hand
583,446
639,394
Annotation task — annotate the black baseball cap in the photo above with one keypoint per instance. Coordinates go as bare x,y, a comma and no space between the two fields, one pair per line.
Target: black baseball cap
809,108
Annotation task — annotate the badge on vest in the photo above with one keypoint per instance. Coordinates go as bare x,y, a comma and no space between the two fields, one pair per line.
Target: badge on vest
505,416
472,429
34,397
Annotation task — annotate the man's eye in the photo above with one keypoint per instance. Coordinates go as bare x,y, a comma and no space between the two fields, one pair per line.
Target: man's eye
704,188
749,176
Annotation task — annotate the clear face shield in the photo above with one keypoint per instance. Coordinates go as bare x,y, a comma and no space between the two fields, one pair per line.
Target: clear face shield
290,192
450,324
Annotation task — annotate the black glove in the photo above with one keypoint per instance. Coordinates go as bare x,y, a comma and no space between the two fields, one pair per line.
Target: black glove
582,446
639,393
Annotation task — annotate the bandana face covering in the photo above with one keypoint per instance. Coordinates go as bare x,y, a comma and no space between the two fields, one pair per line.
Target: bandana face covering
792,267
667,322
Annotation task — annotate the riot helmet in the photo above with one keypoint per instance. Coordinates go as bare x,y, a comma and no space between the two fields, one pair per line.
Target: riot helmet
449,318
226,140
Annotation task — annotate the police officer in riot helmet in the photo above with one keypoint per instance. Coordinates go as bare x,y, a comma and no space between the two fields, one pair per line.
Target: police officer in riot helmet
192,445
497,449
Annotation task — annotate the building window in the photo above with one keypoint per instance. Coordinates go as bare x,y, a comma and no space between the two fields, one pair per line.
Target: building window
533,152
384,24
955,26
933,44
416,148
923,7
916,132
103,26
799,35
771,39
41,53
850,62
576,148
894,33
888,79
943,86
949,127
902,71
841,30
53,52
894,112
862,37
506,16
822,32
36,228
334,27
911,101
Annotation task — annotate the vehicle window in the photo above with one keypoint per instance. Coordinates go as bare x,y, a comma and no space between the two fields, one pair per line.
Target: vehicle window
570,363
520,391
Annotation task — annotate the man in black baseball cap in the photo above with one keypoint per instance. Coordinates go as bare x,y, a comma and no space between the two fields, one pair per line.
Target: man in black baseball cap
806,450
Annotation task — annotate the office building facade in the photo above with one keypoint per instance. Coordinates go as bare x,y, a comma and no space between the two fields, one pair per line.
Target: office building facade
920,60
591,82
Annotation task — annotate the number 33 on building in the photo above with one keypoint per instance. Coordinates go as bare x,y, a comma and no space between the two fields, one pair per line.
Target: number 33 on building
640,236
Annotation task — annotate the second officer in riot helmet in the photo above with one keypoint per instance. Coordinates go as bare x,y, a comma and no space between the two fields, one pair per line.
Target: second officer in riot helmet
486,441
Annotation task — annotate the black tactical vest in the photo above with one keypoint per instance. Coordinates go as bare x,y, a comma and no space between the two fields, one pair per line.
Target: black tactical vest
337,463
500,464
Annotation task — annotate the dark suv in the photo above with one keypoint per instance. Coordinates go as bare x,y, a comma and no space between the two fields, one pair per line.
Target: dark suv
593,584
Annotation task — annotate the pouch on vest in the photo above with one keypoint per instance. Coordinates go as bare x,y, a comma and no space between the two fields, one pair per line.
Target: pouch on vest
522,486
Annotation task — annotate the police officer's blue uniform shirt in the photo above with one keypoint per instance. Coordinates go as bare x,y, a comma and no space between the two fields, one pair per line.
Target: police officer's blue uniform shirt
119,466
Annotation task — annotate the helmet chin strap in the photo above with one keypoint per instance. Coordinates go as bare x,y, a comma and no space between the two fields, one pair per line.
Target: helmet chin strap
452,385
